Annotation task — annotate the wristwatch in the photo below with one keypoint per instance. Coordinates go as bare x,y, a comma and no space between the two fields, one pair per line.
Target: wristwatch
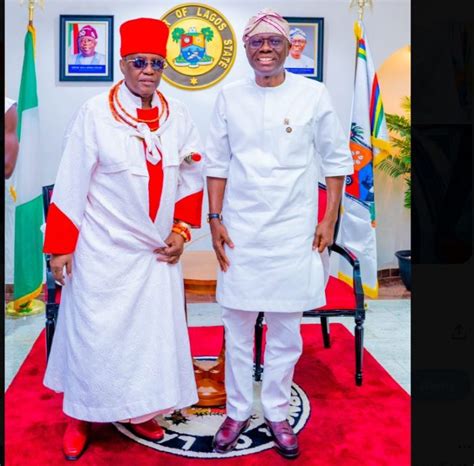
211,216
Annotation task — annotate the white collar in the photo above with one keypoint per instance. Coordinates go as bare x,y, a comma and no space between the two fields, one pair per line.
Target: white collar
131,101
280,87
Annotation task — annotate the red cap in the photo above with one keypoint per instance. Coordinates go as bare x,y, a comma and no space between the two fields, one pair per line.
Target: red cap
143,35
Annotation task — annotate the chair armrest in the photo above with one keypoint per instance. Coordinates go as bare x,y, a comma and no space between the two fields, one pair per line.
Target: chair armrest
348,255
356,277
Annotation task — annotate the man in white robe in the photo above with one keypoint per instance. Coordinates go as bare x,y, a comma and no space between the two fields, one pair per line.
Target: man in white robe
271,137
296,59
11,154
11,137
128,189
87,42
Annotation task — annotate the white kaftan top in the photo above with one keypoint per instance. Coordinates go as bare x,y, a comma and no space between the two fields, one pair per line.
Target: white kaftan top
121,346
271,144
8,103
79,59
9,217
302,62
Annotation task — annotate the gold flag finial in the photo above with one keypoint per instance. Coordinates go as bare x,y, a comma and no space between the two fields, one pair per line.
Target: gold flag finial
361,4
31,8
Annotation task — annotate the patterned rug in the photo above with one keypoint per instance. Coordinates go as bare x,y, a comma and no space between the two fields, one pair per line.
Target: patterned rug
337,422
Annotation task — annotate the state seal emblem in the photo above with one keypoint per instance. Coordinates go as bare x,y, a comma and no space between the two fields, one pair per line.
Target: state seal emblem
201,47
189,432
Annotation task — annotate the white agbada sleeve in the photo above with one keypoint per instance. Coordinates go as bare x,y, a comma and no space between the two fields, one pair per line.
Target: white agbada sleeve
330,141
8,103
218,152
68,202
190,178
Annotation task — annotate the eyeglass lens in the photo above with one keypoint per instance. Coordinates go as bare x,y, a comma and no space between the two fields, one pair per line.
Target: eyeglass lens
273,42
141,63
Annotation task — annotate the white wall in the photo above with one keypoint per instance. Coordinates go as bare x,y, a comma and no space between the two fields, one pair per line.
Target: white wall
387,26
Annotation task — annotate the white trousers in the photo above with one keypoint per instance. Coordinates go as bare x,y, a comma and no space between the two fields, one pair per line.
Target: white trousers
284,346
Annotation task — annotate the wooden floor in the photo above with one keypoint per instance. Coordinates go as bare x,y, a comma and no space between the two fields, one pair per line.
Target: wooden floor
386,336
389,288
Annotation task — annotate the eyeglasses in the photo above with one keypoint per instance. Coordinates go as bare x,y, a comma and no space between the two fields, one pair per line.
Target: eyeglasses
140,63
274,42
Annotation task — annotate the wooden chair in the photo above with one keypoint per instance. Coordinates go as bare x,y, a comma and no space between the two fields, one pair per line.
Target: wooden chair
53,296
341,300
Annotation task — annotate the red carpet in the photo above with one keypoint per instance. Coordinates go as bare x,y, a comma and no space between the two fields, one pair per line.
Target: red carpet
348,425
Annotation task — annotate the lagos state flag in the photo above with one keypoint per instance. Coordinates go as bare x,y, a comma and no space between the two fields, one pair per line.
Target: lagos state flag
369,145
29,262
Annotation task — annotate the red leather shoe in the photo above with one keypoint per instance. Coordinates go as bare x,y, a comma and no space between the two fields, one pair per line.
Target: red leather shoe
149,430
75,438
286,442
228,434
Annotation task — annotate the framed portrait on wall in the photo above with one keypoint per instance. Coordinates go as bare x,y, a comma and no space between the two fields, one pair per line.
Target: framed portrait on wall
306,52
86,48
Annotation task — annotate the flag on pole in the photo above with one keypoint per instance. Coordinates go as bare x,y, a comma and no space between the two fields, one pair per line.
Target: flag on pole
29,262
369,145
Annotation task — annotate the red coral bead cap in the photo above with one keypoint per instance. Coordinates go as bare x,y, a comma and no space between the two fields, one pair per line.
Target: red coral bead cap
143,35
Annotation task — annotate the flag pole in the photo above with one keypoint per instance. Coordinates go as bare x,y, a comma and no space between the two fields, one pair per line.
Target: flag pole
368,135
31,9
27,305
31,12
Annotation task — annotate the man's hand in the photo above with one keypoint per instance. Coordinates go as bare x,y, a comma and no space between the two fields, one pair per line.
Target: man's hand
57,264
172,252
324,235
219,238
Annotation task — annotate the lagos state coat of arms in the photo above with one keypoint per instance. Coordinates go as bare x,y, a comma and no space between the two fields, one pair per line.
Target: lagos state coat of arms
201,46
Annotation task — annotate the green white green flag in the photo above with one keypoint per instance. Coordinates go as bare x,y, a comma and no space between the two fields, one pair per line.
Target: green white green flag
29,262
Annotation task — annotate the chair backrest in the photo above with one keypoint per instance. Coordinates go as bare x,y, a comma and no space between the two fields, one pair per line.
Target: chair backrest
54,290
322,203
47,194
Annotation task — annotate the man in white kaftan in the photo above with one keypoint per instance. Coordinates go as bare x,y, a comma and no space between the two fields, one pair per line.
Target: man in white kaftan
301,63
11,137
271,137
128,188
296,60
11,155
87,43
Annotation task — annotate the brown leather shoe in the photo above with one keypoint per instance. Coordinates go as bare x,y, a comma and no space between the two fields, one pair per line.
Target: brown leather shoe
149,430
228,434
286,442
75,438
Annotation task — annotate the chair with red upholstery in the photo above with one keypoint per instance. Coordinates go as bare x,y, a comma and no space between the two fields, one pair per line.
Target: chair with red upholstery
54,289
342,299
